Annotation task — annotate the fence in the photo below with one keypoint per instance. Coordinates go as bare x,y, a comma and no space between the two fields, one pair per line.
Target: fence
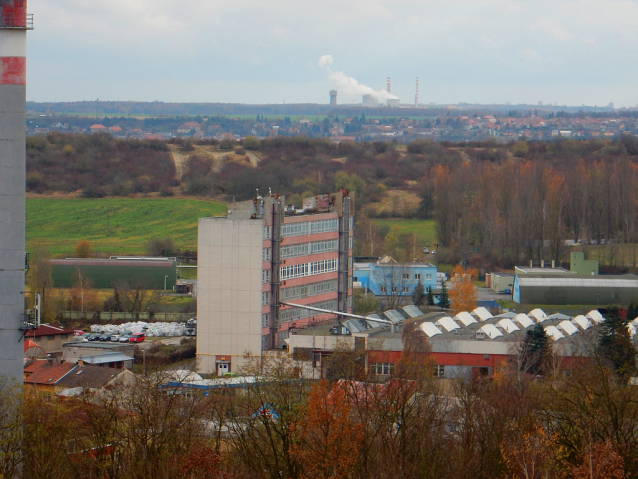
126,317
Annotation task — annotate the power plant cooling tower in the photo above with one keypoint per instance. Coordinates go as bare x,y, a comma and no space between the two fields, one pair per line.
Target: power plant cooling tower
14,23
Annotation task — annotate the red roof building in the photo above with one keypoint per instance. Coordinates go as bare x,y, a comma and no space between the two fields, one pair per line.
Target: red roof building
50,337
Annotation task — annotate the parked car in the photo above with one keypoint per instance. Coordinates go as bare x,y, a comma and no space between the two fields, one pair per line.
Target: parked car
125,338
115,337
105,337
78,332
94,337
137,338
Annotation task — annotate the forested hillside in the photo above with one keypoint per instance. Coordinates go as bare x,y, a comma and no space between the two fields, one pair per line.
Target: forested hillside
510,202
98,165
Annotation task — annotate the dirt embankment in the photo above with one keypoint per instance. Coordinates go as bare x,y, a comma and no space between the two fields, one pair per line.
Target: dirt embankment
219,158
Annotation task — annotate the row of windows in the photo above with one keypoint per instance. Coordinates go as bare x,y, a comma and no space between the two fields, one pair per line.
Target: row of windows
265,276
290,314
295,229
395,290
416,276
324,226
303,291
387,369
294,250
303,249
382,369
308,269
309,227
265,254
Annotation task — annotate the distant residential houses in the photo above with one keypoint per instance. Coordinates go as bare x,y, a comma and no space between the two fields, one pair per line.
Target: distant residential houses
457,128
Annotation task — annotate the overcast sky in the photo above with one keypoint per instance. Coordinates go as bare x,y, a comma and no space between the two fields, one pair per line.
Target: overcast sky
252,51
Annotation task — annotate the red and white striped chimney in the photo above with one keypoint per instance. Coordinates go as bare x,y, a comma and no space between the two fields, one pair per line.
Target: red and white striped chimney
13,42
14,23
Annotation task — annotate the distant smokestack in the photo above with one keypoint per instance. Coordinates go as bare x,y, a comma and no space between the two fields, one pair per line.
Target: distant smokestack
388,84
14,23
416,96
333,97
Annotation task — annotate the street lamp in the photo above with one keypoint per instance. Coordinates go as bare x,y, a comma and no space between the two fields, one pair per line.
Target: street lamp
165,278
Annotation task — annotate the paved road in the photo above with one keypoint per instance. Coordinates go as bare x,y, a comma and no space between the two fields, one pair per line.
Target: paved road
487,294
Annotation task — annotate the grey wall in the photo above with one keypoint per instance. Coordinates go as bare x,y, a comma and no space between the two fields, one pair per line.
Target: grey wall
12,210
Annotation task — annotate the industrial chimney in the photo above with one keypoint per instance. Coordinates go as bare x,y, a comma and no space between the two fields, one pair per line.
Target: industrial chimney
14,23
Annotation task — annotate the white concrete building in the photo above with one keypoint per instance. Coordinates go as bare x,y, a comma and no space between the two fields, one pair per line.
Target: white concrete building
260,255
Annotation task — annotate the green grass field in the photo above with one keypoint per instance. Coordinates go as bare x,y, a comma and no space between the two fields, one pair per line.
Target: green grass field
59,224
425,230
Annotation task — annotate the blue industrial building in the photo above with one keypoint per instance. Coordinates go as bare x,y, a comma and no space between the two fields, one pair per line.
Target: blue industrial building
387,277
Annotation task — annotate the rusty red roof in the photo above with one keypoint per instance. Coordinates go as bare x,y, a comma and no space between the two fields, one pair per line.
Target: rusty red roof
47,330
46,372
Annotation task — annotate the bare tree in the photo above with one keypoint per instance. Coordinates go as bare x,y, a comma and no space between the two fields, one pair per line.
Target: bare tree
394,280
134,295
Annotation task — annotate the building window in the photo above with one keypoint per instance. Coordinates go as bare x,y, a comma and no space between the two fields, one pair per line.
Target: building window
349,262
350,282
266,233
64,336
264,342
406,276
417,277
312,289
439,371
294,229
265,298
394,290
265,254
308,269
383,290
350,242
50,337
382,369
428,276
265,276
314,247
406,289
289,314
352,222
324,226
264,320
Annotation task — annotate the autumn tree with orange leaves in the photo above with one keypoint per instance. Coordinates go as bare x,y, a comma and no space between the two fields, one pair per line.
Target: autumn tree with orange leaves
328,440
462,291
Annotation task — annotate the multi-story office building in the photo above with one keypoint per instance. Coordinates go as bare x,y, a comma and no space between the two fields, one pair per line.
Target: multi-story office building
260,256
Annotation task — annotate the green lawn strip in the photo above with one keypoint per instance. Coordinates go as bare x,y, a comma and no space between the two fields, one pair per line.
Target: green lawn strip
60,223
425,230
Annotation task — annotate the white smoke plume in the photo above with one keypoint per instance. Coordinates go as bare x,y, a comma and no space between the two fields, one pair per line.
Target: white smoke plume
325,60
348,86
